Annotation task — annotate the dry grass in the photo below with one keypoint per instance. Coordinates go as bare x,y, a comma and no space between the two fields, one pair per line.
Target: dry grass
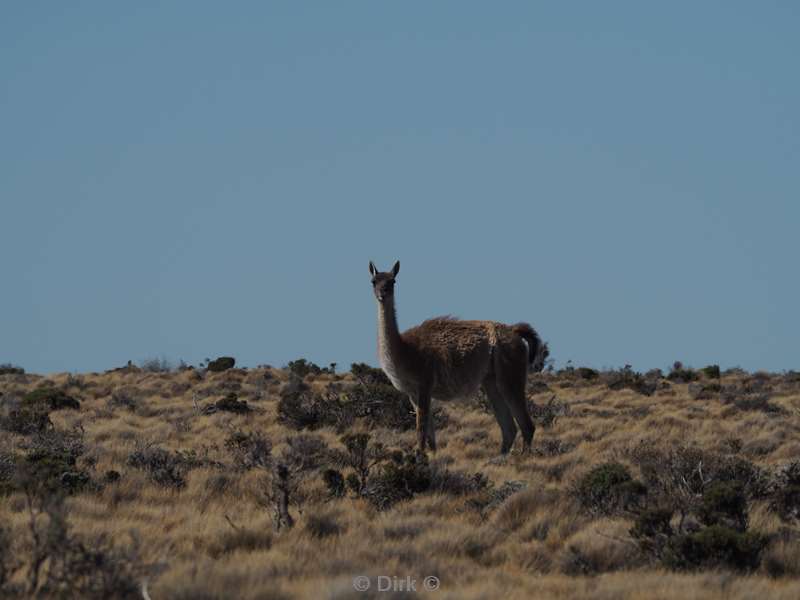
214,536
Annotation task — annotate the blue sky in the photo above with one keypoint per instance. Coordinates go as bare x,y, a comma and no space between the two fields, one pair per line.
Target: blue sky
191,179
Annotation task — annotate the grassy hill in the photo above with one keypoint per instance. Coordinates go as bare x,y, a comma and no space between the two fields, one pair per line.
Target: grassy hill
278,483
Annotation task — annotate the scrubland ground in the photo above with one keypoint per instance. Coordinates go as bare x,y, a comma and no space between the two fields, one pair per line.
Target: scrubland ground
637,487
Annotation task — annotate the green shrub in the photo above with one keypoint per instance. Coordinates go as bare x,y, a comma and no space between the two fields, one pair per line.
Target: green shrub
49,398
302,367
26,420
724,503
587,373
679,374
607,488
335,483
652,523
711,371
223,363
400,479
249,450
627,378
9,369
713,547
165,468
368,375
50,465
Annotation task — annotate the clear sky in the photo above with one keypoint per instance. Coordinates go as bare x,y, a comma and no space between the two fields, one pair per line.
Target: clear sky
192,179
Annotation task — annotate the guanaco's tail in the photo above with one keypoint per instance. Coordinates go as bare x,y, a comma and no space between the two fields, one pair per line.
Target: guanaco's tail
537,350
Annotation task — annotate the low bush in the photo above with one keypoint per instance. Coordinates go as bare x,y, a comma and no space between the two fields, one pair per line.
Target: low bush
750,397
9,369
249,450
406,474
167,469
49,398
608,488
627,378
378,405
724,503
26,420
714,547
679,374
50,465
302,367
367,375
223,363
230,403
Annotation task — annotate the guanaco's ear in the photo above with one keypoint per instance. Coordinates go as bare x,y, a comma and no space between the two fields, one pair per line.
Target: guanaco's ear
372,270
396,269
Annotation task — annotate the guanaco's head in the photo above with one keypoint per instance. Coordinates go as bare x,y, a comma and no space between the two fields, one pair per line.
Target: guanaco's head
383,283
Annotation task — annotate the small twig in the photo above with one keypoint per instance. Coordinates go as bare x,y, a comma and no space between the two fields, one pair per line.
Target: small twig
232,524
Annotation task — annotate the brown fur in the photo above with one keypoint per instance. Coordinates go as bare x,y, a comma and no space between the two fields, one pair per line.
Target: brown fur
446,358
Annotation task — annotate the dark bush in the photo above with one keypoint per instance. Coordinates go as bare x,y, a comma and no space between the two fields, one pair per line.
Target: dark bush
334,481
586,373
300,408
400,479
627,378
711,371
679,374
9,369
360,455
681,474
249,450
302,367
755,397
26,420
230,403
50,465
457,483
306,452
379,405
652,523
49,398
713,547
223,363
112,476
785,496
608,488
385,406
368,375
724,503
165,468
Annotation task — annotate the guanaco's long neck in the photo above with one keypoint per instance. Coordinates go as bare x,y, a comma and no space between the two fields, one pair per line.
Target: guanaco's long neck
389,340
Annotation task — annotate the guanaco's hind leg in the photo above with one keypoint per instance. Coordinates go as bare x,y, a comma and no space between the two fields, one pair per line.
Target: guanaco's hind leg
511,374
502,413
